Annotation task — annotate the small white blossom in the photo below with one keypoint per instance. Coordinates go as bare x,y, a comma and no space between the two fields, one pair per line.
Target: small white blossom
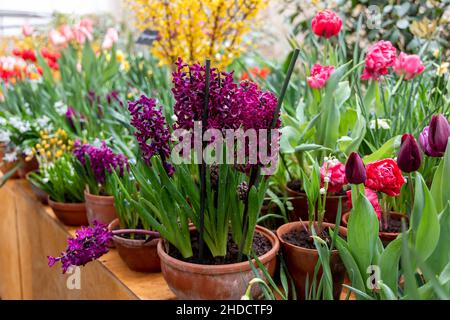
28,151
322,190
326,179
379,123
43,122
10,157
5,136
3,121
22,126
60,107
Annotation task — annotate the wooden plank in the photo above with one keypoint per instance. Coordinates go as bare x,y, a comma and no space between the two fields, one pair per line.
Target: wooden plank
10,282
42,234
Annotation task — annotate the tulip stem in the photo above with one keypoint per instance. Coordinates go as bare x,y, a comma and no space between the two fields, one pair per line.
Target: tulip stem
411,191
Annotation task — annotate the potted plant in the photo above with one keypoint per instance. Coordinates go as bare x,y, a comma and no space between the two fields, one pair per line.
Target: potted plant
96,166
205,259
298,151
17,137
299,240
132,237
65,188
49,148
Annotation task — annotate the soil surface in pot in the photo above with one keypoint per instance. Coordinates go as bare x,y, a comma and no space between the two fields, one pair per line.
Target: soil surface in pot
303,238
295,185
261,245
133,236
392,225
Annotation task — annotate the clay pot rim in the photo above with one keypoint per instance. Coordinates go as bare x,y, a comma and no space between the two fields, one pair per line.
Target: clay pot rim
74,205
207,269
96,197
281,231
390,213
303,194
28,173
115,223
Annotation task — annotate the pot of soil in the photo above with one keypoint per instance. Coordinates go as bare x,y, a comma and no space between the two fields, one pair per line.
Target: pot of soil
100,208
300,203
301,256
27,166
40,194
137,247
390,225
71,214
220,278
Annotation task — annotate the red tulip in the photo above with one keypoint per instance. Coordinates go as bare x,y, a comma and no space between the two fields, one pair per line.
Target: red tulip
409,157
326,24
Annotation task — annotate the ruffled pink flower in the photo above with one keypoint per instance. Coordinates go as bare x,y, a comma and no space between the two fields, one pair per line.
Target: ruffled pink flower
333,172
408,65
111,37
371,196
319,76
379,58
326,24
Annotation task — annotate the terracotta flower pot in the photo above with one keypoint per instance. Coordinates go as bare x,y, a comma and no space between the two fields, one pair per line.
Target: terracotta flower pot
300,204
40,194
301,262
137,254
386,237
213,282
100,208
71,214
27,166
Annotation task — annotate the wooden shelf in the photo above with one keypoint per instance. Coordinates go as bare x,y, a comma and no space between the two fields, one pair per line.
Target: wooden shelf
29,232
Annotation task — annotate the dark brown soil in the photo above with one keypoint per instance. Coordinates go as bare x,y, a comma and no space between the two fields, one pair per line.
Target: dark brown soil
133,236
261,245
295,185
392,225
302,238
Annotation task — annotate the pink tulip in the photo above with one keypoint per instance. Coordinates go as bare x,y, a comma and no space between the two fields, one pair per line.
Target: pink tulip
56,38
111,37
27,30
379,58
66,32
319,76
408,65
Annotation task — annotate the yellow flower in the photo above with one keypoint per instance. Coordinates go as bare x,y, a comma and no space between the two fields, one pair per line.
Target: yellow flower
53,140
120,56
424,28
196,30
442,69
59,154
49,154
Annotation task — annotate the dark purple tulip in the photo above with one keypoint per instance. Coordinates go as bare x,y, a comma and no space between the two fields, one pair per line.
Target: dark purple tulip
439,133
424,144
409,157
355,171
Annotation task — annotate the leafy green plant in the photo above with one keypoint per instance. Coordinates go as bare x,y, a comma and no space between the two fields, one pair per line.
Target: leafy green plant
61,181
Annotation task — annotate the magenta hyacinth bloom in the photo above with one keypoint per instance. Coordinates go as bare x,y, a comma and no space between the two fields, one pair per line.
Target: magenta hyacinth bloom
90,243
152,132
102,159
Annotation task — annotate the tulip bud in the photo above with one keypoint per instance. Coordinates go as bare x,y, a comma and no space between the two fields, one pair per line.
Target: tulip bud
409,157
439,133
355,171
